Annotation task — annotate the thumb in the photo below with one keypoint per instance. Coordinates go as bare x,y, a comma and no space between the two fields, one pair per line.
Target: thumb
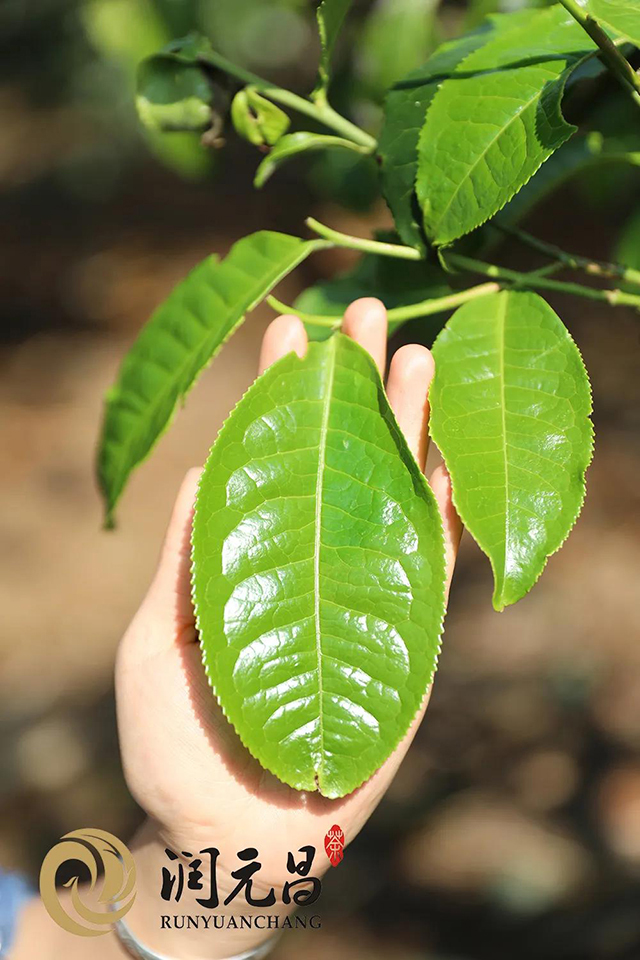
168,600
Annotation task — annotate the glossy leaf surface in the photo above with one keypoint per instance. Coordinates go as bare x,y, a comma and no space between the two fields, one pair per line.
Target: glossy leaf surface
405,111
621,16
180,339
510,407
318,571
496,119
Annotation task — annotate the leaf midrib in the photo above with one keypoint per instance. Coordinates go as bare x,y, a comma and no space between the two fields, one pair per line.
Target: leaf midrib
322,453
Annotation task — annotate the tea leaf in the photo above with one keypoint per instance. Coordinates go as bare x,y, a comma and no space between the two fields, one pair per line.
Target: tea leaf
496,119
295,143
405,110
180,339
174,93
318,571
510,406
621,16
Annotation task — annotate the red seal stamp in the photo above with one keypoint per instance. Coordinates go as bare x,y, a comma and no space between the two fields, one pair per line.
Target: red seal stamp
334,845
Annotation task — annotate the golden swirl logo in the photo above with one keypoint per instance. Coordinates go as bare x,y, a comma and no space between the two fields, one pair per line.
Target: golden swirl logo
109,894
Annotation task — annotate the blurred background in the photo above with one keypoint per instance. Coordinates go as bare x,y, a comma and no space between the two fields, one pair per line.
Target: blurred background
513,827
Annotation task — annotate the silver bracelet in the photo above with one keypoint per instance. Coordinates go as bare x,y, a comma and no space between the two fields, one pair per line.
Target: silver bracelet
131,943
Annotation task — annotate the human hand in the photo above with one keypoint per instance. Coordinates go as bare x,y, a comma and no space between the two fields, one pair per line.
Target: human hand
183,761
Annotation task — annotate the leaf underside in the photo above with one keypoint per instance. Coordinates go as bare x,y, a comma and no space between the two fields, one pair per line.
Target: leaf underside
318,571
496,119
179,340
510,405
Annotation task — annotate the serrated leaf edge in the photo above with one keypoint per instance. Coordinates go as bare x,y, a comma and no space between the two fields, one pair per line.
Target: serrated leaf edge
306,249
499,608
443,597
570,131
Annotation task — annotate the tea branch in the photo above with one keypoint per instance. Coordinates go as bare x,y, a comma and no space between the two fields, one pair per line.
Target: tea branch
362,243
319,110
534,280
609,53
595,268
412,311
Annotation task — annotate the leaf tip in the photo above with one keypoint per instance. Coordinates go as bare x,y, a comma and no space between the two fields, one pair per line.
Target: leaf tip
263,173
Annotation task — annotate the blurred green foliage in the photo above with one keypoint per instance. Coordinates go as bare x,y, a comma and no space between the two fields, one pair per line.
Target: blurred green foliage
85,53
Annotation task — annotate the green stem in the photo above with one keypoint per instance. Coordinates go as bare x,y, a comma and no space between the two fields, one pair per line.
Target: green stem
545,271
320,320
360,243
609,54
412,311
320,111
596,268
535,281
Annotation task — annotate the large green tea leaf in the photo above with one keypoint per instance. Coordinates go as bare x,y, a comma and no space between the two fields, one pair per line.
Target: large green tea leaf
496,119
331,14
318,571
621,16
510,406
405,110
182,336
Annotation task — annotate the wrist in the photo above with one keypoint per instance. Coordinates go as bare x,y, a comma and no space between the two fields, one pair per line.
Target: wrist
175,921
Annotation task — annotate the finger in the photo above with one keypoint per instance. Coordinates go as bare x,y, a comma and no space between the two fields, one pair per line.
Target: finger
410,377
440,483
283,335
169,597
365,321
